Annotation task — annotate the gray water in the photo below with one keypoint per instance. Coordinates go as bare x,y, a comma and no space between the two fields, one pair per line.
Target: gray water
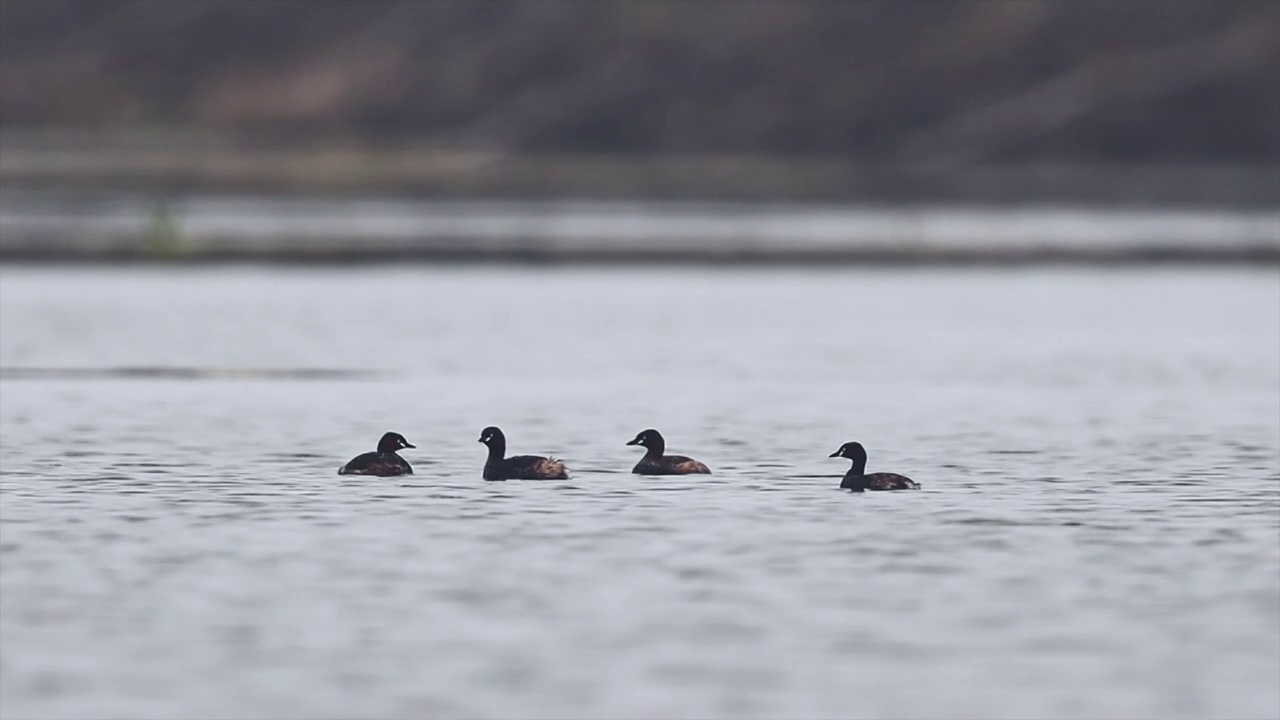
1098,535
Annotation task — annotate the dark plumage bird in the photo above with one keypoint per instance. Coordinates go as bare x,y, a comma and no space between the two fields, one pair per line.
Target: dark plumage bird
857,480
520,467
383,462
655,463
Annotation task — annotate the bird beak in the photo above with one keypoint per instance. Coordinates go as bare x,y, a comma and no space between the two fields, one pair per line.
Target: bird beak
634,442
481,439
410,445
835,454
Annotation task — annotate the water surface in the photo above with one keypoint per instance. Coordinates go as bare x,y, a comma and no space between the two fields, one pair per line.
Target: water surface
1098,534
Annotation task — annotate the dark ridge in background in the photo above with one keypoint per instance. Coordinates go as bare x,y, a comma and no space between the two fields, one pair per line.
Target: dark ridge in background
946,83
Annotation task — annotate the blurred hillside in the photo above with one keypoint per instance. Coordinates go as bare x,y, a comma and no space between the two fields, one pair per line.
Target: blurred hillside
1027,81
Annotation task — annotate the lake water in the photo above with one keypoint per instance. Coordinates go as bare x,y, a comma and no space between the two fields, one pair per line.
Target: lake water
1098,535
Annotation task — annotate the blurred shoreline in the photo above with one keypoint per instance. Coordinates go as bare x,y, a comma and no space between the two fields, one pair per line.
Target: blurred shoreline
167,162
156,197
122,228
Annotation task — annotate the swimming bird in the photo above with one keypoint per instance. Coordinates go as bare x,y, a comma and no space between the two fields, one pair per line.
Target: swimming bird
383,462
655,462
857,480
520,467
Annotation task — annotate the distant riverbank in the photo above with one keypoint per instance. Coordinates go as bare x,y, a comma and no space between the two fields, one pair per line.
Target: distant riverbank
159,163
39,227
194,198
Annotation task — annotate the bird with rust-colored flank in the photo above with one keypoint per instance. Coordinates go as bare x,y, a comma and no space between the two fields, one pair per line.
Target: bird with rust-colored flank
383,462
655,462
520,467
858,481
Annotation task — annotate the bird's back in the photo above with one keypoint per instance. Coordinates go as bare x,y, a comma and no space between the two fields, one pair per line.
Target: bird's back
526,467
670,465
878,481
376,463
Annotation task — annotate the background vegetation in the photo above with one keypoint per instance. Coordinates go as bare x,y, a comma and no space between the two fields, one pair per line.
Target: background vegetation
1027,81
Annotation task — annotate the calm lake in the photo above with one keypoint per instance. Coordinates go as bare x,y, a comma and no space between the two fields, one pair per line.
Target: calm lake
1098,535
